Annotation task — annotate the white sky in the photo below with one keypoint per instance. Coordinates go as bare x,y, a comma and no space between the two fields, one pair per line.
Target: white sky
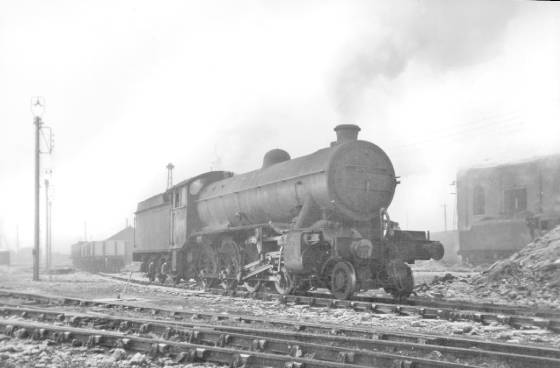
133,85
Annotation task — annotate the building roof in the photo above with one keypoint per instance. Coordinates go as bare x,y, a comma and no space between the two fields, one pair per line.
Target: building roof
125,234
494,165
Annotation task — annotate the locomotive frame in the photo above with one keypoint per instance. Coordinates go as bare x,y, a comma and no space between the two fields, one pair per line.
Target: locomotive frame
315,221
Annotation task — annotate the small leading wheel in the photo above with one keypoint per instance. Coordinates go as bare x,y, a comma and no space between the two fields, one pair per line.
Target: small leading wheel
343,280
401,281
285,283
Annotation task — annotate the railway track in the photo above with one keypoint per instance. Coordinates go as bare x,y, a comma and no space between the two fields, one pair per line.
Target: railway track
205,336
426,308
180,351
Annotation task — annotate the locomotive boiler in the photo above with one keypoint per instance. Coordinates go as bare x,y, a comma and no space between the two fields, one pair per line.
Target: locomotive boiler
349,181
319,220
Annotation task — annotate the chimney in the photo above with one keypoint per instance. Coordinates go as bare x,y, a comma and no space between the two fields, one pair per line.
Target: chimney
346,133
170,168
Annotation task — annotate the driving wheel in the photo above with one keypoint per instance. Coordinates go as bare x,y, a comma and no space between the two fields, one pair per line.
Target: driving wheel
250,255
343,280
229,263
207,266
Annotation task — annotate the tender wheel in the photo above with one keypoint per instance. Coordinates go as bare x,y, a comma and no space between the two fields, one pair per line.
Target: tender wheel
229,263
207,266
401,282
285,283
343,280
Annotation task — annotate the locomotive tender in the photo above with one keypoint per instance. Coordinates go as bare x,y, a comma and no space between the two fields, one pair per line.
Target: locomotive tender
315,221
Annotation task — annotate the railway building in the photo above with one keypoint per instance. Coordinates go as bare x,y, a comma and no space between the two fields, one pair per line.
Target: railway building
501,208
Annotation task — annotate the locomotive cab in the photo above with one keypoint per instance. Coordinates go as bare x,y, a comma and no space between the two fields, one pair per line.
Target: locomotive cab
184,220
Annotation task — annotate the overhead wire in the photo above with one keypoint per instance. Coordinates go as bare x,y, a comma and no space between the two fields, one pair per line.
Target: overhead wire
507,125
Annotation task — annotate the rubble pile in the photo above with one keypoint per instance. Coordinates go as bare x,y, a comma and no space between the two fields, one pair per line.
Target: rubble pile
533,271
529,277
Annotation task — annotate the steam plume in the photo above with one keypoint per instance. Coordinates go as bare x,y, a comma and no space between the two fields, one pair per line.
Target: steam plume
442,34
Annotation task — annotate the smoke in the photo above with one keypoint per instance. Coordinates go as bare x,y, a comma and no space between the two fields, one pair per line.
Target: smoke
439,34
287,126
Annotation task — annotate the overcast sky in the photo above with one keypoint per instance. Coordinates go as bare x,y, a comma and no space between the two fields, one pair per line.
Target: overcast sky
133,85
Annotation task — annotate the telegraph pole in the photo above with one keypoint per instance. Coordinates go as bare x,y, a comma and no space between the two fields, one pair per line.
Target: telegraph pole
47,228
50,238
37,108
454,223
38,124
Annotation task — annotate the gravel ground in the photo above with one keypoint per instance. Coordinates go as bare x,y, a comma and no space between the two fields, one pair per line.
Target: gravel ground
81,284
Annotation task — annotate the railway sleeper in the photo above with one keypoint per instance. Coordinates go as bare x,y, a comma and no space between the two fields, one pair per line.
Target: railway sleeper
123,343
223,340
179,350
192,356
295,350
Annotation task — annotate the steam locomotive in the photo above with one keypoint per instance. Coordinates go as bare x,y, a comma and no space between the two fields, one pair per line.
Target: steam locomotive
319,220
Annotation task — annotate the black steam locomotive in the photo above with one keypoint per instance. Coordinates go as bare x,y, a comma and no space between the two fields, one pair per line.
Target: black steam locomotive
315,221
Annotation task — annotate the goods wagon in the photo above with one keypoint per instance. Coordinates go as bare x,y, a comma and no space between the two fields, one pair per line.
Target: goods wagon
100,256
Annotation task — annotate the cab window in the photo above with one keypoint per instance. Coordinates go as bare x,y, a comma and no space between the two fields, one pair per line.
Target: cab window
180,197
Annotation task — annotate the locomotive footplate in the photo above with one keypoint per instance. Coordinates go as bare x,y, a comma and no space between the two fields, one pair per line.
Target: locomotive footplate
255,271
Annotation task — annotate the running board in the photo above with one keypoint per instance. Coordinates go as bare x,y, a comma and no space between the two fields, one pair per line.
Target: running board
257,271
